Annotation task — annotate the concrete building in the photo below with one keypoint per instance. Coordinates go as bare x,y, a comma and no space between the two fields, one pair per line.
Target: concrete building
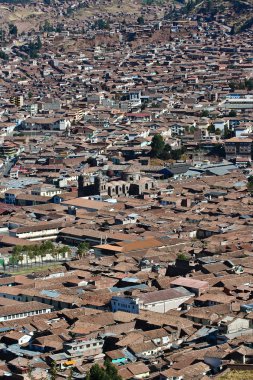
84,347
158,301
23,310
238,149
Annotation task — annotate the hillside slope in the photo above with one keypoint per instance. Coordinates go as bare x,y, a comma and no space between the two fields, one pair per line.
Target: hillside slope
237,14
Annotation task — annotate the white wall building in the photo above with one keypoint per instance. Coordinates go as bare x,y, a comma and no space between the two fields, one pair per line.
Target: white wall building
159,301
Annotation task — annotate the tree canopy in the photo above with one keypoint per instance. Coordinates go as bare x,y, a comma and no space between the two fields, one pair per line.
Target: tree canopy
83,249
13,30
250,183
108,372
101,24
37,252
141,20
157,145
164,151
4,56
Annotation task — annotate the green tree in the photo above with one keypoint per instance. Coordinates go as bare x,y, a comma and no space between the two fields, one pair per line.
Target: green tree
32,254
233,30
192,130
13,260
209,5
47,27
204,113
41,253
189,6
241,85
101,24
250,183
157,145
232,113
176,154
26,249
232,86
48,246
182,257
33,48
211,128
2,35
4,56
64,251
17,255
96,373
59,27
166,154
17,250
249,84
20,258
148,2
218,150
227,133
39,43
53,371
109,372
54,254
141,20
13,30
82,249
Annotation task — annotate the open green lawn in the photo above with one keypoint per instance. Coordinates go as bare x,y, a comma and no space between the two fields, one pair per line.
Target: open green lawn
35,268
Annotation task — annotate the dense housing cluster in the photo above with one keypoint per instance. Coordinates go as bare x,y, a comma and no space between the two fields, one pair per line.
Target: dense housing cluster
126,182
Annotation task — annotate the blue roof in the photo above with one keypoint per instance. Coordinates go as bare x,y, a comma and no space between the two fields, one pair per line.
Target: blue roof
218,171
240,184
16,349
193,173
115,289
50,293
131,279
247,307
